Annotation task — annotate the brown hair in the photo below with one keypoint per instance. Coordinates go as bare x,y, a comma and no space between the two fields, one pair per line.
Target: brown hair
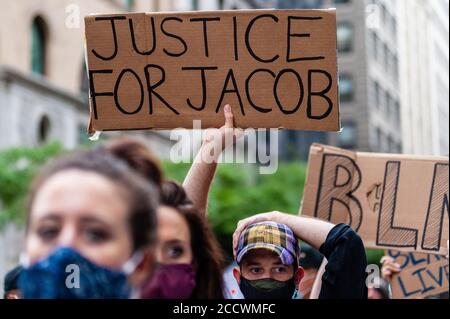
207,254
142,194
138,156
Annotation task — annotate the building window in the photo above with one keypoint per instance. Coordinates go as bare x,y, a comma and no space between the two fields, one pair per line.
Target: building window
377,94
379,139
348,138
395,68
376,46
345,37
393,65
38,46
397,112
373,44
293,4
84,83
386,54
393,24
389,60
392,147
128,4
83,137
44,130
387,104
346,88
384,14
195,5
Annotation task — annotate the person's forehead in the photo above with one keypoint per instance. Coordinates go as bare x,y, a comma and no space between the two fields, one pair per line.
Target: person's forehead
172,225
75,191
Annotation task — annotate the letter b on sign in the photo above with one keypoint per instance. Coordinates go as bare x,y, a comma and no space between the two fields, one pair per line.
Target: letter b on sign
340,177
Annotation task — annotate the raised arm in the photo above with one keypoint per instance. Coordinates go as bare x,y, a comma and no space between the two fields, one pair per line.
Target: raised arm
345,274
310,230
201,174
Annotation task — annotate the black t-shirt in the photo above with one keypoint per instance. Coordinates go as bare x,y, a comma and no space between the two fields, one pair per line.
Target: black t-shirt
345,274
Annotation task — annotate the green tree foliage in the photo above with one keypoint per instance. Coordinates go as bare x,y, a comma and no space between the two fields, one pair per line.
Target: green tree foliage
374,256
238,190
17,168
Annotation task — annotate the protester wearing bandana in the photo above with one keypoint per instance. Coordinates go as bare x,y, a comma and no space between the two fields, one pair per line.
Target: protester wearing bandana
267,252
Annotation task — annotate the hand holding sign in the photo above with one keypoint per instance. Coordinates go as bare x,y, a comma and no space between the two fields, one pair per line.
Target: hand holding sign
389,267
226,136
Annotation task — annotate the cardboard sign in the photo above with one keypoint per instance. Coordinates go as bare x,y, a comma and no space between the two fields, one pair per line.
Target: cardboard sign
421,275
392,201
277,68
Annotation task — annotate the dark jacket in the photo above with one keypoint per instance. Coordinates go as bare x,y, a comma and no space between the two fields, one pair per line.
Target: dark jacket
345,274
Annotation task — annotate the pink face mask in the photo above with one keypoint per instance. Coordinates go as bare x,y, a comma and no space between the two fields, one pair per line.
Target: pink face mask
176,281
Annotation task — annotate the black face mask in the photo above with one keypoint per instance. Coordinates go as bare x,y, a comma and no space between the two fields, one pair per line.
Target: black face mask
267,288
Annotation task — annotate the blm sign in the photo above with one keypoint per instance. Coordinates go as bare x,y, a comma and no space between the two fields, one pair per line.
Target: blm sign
393,201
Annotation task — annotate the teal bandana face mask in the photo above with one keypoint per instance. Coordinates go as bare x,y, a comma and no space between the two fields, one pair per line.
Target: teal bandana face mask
267,288
66,274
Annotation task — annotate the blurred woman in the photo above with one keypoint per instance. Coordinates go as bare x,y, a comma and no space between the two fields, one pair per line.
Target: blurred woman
190,263
91,228
190,260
